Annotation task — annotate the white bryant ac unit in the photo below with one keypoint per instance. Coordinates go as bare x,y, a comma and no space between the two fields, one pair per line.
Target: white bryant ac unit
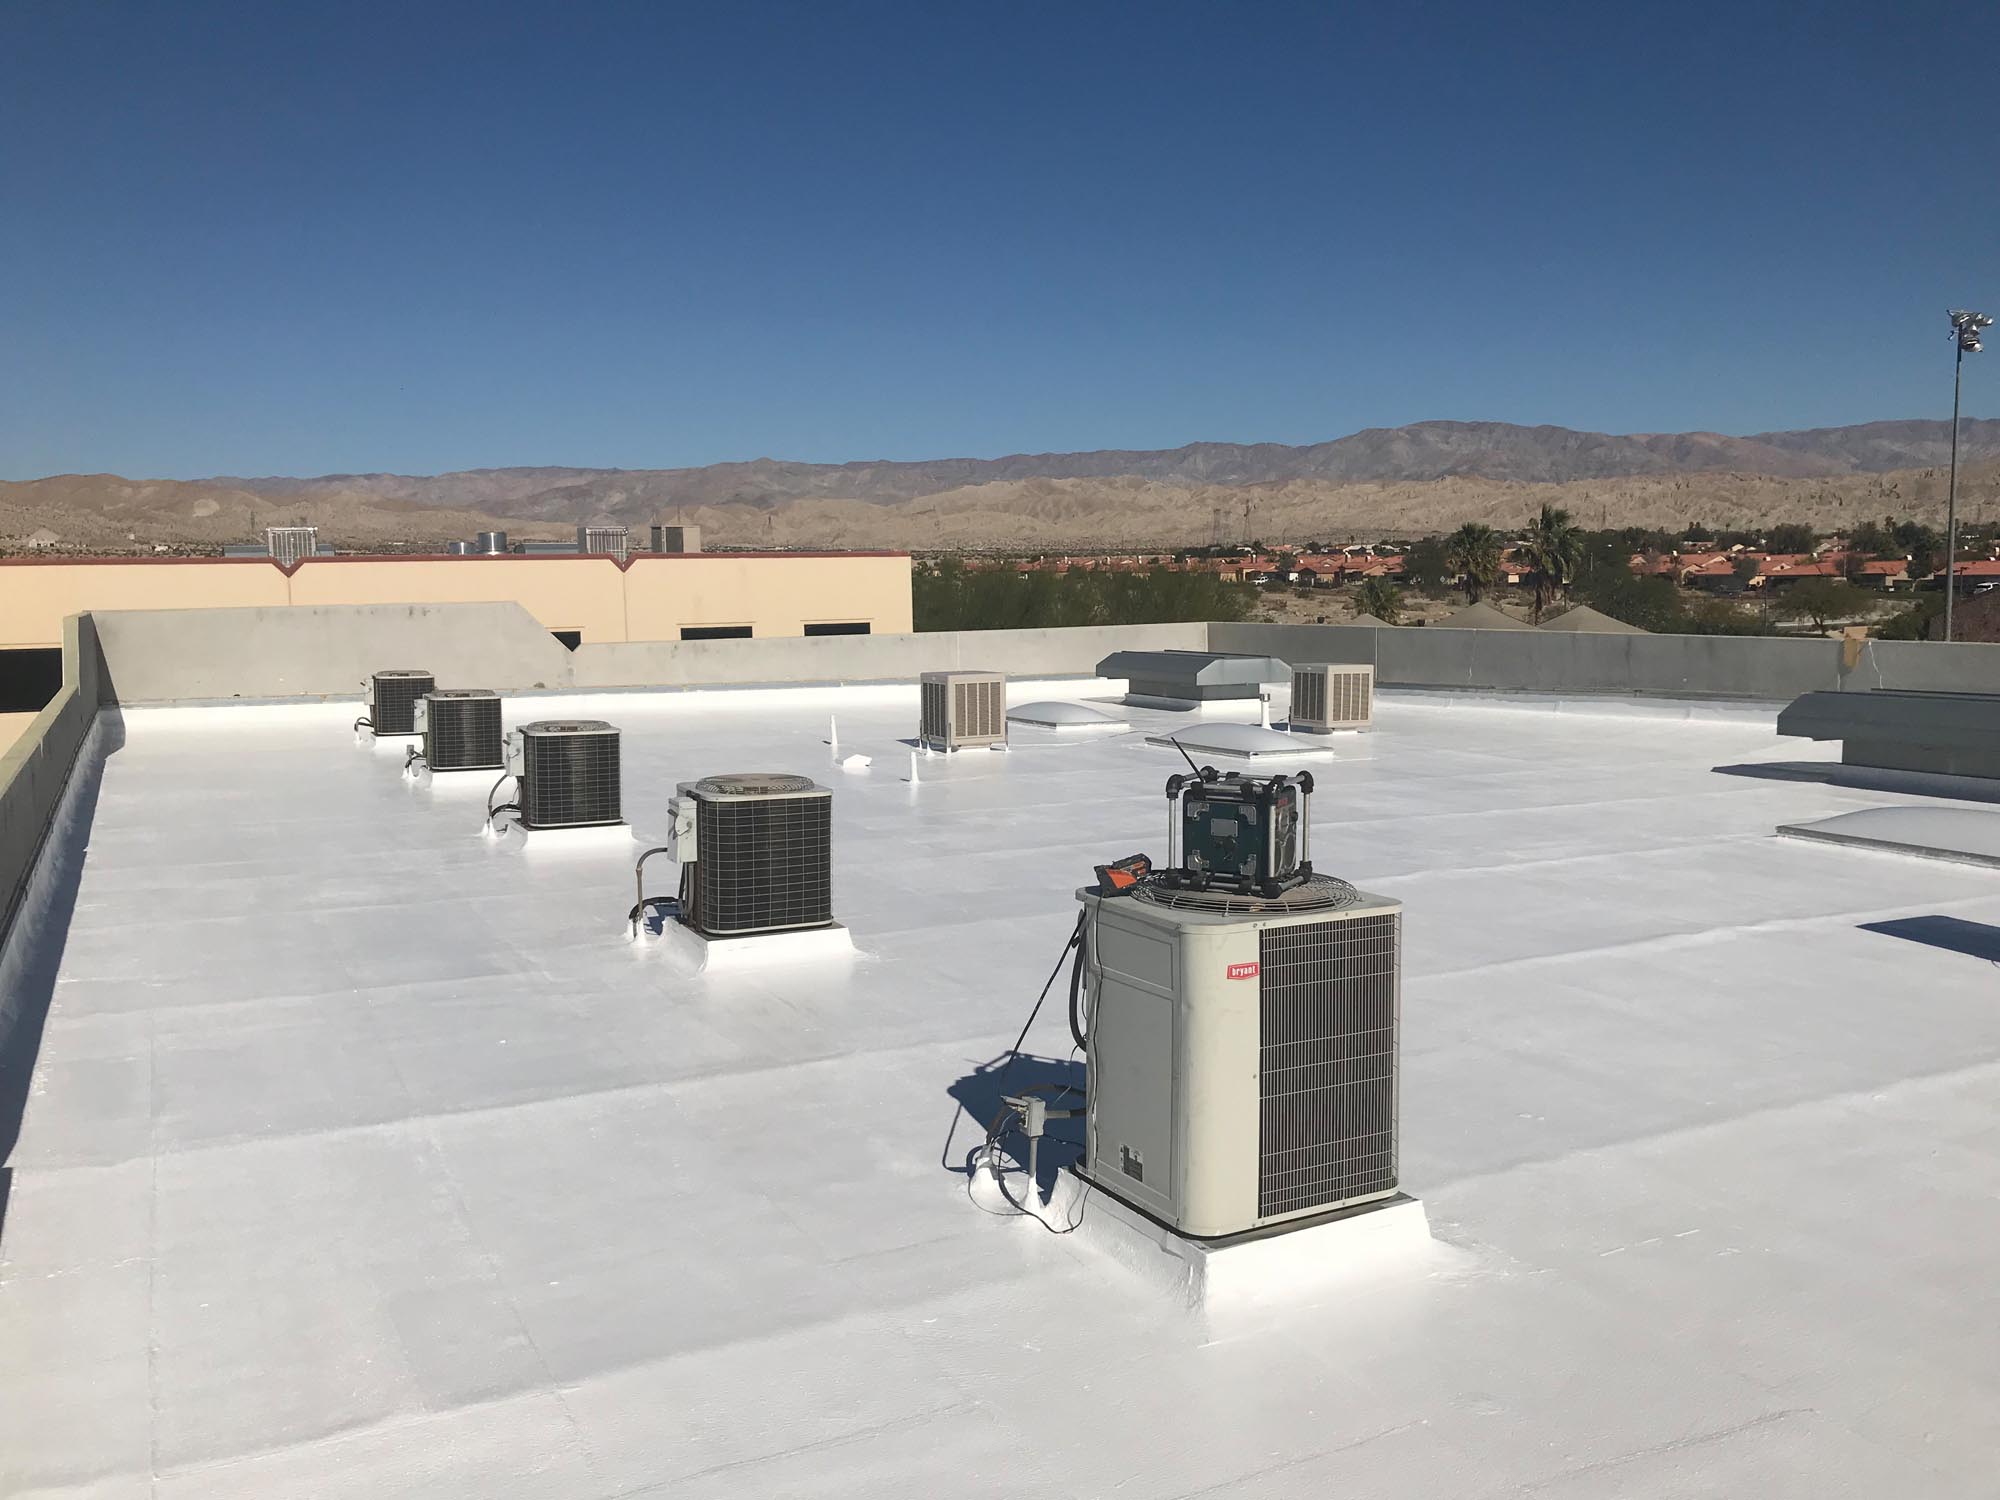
1241,1053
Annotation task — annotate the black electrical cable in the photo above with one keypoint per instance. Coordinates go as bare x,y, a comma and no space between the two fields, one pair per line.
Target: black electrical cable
999,1125
639,888
1014,1052
1082,942
1022,1208
633,914
493,812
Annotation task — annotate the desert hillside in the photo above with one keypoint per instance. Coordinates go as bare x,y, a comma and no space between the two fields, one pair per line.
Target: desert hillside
1384,483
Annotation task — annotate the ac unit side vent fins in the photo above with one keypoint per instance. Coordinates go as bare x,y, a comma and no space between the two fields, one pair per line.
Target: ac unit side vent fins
1327,1062
392,700
570,775
462,731
764,855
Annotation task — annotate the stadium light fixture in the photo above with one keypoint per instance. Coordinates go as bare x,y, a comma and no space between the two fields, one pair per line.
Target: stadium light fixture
1966,327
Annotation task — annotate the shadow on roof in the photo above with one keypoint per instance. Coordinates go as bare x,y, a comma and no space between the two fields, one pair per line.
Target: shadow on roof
1868,778
35,984
980,1108
1953,934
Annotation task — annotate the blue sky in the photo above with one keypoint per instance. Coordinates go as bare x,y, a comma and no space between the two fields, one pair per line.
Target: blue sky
277,238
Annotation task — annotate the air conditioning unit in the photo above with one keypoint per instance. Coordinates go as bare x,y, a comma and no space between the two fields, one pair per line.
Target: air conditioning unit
756,853
1242,1053
461,729
290,544
614,541
568,770
1326,697
393,698
963,708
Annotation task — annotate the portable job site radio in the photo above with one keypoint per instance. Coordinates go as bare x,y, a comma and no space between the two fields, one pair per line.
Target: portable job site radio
1237,832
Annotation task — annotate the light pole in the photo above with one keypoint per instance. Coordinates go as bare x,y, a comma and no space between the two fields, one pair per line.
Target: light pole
1965,329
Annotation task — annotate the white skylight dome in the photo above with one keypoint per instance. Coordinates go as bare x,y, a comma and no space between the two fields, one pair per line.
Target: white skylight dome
1242,742
1965,834
1054,715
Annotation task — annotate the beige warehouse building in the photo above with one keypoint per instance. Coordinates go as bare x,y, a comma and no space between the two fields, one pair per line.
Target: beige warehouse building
596,599
582,600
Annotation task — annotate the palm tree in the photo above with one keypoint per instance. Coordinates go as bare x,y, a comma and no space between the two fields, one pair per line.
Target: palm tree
1380,598
1552,549
1473,552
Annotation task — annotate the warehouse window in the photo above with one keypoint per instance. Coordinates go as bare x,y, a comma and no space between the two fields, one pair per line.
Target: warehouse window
839,627
715,632
29,677
571,639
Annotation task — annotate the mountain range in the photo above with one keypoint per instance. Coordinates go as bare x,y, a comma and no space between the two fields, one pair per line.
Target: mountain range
1402,480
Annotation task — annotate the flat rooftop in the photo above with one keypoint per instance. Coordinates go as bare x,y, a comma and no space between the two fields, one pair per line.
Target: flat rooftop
366,1157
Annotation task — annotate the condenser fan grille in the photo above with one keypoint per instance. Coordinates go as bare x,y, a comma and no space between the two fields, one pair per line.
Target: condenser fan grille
764,864
1320,893
392,700
755,784
569,776
463,732
1327,1062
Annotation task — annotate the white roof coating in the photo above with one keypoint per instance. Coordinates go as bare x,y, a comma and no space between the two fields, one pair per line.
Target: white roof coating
364,1157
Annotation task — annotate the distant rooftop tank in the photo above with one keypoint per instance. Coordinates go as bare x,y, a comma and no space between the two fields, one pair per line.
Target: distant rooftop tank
488,542
290,543
677,539
458,549
608,541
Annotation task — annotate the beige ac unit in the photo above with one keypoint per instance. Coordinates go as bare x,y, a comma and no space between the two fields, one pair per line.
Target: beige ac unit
1326,697
1241,1054
963,708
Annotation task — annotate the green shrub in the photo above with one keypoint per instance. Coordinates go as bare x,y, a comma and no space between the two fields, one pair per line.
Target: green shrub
946,595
